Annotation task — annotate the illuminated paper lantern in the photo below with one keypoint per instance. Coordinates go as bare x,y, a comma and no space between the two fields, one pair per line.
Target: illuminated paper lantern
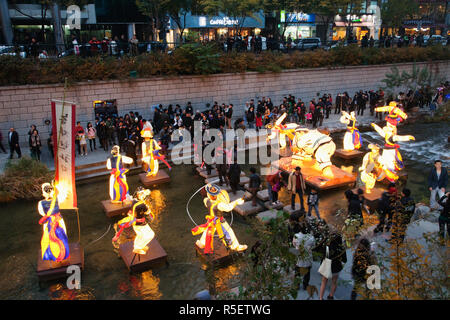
352,137
151,153
137,219
308,144
283,130
391,159
54,241
118,186
371,168
217,201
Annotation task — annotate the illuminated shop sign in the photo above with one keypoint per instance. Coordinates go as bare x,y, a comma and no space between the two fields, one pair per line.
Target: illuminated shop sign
223,21
300,17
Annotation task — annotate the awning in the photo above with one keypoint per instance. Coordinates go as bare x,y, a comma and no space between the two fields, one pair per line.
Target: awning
353,24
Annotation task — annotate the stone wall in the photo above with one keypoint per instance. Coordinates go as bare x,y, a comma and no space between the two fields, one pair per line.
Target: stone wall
21,106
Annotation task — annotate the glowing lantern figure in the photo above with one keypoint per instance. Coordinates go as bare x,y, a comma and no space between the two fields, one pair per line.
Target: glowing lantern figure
118,186
217,202
312,143
54,241
137,219
151,153
283,130
391,159
371,168
352,137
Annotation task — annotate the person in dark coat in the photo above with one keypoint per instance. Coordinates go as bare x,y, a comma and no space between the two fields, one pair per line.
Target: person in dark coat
444,219
354,206
13,141
386,206
338,257
402,216
437,183
234,176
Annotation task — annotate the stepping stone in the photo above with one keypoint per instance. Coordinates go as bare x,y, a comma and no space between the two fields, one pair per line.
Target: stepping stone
263,195
247,196
247,209
239,194
289,210
269,205
266,216
205,174
244,180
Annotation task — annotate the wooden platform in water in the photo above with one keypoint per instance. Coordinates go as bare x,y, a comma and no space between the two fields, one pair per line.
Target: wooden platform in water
51,270
160,178
115,209
155,257
221,256
348,154
314,177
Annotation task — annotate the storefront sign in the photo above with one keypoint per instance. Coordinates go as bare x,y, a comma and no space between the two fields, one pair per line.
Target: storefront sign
300,17
223,21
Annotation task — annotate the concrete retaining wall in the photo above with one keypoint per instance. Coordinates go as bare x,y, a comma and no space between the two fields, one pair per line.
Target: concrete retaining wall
21,106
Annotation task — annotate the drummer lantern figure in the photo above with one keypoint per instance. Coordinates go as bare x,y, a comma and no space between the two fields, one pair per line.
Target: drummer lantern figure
371,168
149,146
137,219
118,186
54,241
352,137
217,201
151,153
391,159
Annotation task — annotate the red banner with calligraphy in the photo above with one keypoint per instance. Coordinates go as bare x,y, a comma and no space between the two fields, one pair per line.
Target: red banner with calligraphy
63,134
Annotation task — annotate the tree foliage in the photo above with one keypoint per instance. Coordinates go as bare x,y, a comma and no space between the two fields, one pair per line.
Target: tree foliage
393,12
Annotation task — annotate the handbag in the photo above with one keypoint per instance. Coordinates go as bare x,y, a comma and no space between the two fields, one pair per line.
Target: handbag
276,187
325,267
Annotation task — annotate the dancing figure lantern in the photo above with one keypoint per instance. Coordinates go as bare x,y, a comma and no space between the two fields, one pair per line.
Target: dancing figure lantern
151,153
54,241
312,143
283,130
118,187
217,201
137,219
391,159
352,137
371,168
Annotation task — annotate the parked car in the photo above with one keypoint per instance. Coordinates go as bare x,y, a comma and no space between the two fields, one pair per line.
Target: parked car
309,44
434,39
13,51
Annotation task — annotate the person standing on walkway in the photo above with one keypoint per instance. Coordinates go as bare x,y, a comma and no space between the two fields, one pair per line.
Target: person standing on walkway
35,145
234,176
13,141
437,182
254,185
304,242
91,132
296,185
274,186
338,257
313,202
444,218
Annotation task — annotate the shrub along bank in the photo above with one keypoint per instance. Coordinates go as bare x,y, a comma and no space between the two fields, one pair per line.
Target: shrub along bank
197,59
